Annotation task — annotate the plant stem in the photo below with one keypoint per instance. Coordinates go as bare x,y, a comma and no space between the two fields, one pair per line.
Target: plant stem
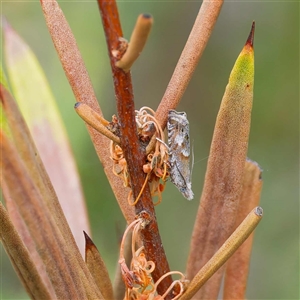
137,42
134,154
77,75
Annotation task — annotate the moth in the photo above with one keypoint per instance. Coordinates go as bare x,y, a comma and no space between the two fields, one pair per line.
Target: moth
179,152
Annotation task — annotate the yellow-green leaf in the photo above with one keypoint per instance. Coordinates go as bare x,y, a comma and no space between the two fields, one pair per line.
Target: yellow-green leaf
224,175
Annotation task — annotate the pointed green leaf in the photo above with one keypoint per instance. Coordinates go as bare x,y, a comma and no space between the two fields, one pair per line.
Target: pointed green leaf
225,168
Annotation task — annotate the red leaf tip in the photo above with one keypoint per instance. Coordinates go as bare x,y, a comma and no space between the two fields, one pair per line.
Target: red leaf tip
250,39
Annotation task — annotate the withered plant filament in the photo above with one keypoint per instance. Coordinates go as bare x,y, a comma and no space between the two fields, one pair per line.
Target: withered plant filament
138,280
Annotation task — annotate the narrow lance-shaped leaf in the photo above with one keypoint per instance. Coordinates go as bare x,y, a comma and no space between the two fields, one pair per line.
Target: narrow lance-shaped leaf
34,213
19,135
98,269
21,259
223,180
34,186
39,109
238,265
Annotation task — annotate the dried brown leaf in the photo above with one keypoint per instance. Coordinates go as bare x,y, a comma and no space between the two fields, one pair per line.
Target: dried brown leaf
97,268
39,109
39,223
21,259
238,265
28,170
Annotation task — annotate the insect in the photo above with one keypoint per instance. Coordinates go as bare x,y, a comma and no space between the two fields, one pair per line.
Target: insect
179,152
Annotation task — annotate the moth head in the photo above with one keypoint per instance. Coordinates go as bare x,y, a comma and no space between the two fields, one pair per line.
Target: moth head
174,113
175,117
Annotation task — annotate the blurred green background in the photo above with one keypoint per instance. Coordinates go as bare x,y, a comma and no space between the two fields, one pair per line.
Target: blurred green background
274,140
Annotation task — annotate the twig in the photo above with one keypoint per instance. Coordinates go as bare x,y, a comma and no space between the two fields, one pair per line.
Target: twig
189,58
188,61
133,152
223,254
95,120
137,42
76,73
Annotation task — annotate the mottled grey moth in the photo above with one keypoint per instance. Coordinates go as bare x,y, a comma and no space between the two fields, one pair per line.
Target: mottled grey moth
179,152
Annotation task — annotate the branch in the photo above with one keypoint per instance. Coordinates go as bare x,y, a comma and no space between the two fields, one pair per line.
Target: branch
189,58
133,152
95,120
137,42
77,75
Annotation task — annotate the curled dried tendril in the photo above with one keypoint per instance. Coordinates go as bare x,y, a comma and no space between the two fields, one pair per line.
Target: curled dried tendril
119,163
156,166
138,281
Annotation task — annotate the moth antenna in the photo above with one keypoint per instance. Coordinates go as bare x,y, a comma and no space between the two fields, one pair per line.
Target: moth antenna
206,157
193,160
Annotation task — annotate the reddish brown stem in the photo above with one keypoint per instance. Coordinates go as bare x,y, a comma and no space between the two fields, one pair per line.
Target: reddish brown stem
134,154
